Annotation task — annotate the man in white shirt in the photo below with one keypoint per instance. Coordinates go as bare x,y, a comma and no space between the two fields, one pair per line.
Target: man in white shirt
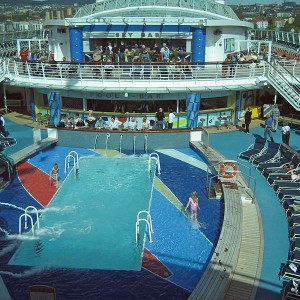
132,125
171,119
114,123
286,132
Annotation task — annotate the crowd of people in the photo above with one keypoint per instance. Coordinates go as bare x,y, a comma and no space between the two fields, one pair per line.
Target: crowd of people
161,122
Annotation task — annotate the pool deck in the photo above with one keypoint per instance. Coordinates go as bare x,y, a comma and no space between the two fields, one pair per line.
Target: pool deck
235,267
238,270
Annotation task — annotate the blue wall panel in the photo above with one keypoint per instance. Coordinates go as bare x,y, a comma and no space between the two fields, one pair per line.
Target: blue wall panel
76,44
198,44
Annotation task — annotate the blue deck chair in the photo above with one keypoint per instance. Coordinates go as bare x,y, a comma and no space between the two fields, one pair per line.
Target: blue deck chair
275,177
286,271
294,232
284,194
291,290
6,141
295,255
258,148
272,167
272,153
285,184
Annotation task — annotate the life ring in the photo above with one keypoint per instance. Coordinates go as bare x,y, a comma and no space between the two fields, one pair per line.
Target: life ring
228,169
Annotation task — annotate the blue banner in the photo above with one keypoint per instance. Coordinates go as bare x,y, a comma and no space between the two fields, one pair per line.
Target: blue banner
54,107
192,105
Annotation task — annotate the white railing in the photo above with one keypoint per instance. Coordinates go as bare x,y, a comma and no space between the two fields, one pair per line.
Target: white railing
149,72
20,222
75,161
148,222
154,156
28,210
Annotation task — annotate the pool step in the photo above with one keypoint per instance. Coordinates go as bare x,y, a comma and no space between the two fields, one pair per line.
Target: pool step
215,192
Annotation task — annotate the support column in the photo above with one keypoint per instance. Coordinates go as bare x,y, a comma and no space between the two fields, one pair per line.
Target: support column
198,44
192,106
76,44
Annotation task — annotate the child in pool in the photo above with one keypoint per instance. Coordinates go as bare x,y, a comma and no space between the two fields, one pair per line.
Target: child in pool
194,205
54,174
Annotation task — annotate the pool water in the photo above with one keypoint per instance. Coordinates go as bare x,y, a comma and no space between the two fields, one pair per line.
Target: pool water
177,246
93,227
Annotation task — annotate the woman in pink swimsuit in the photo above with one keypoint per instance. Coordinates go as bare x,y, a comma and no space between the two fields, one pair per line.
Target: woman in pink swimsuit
193,203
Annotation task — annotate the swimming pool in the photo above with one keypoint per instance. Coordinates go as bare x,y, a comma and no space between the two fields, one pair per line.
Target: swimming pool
172,265
93,227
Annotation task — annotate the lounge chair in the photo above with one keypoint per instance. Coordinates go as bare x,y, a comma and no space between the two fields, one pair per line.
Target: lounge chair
291,290
285,184
274,177
271,154
284,159
258,148
7,141
294,256
291,270
283,194
295,161
295,245
295,233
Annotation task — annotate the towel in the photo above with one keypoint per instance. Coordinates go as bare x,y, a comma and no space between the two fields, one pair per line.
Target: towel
293,267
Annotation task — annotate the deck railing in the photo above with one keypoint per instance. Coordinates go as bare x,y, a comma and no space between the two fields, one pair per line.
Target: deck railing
61,71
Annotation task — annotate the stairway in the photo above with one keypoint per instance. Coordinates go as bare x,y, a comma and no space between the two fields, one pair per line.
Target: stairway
285,83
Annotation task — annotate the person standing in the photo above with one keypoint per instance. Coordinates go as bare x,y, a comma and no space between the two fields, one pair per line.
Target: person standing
286,132
248,116
275,116
53,176
171,119
268,127
194,205
160,116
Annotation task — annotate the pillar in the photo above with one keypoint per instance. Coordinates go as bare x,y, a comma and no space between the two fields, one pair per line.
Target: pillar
76,44
198,44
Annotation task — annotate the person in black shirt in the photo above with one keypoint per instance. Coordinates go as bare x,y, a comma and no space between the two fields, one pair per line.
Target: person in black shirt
248,116
160,116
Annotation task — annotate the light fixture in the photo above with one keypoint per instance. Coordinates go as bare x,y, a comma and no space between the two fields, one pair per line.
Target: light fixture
126,95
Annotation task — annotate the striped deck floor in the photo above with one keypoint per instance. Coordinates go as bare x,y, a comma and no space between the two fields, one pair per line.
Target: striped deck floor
236,269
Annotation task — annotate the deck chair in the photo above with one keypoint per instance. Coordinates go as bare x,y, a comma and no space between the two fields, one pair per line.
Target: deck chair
283,194
274,177
291,270
294,232
271,154
272,167
37,292
294,256
5,141
257,148
285,185
291,290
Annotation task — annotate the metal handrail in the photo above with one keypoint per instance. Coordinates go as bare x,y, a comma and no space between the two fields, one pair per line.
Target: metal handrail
148,222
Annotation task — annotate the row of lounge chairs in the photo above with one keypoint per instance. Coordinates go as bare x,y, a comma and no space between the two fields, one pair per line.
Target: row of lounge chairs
280,169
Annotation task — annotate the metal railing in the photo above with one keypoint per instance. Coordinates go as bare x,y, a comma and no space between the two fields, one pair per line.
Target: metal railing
61,72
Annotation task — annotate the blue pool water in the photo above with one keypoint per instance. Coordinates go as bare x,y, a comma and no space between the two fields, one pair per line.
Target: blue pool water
184,250
91,222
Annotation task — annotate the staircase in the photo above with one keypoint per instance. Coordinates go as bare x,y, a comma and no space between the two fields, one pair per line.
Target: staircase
285,83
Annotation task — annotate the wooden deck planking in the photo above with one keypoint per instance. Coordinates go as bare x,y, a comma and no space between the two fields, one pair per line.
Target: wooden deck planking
238,276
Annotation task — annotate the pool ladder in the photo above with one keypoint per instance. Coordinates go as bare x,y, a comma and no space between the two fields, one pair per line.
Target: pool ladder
148,222
75,161
27,216
154,156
